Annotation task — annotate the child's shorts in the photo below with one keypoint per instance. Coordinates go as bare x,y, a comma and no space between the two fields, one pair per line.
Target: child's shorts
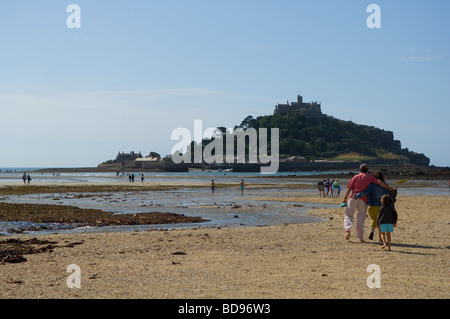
387,228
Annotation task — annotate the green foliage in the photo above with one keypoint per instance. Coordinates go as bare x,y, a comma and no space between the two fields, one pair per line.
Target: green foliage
154,155
330,138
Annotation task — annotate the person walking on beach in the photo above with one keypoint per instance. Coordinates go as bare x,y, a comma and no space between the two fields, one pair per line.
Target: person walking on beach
142,177
387,220
242,187
24,178
336,188
374,193
332,189
357,184
321,186
29,178
327,187
213,186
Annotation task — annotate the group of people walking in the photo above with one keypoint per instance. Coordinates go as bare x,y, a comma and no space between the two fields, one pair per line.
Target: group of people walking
131,177
370,190
26,178
329,189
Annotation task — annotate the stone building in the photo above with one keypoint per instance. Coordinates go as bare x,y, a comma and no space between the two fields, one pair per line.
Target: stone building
127,157
309,110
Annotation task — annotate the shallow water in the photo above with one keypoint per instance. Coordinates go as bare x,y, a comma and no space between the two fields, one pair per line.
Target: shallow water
193,176
226,208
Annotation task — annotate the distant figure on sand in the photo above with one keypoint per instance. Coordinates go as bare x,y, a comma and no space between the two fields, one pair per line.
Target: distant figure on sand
336,186
29,178
321,186
387,220
24,178
332,188
142,177
356,185
327,186
213,185
242,187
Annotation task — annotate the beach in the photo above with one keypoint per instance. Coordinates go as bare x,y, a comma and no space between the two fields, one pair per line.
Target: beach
281,261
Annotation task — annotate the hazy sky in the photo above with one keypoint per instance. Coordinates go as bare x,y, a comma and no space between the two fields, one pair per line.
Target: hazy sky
136,70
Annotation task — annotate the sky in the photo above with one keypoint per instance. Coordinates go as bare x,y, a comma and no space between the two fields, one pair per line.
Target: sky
134,71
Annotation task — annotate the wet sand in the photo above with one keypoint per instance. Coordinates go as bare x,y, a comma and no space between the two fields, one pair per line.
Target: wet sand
284,261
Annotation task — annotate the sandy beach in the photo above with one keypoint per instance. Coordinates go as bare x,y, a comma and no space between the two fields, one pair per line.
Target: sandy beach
288,261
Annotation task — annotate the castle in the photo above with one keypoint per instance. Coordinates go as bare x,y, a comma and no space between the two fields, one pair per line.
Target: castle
126,157
309,110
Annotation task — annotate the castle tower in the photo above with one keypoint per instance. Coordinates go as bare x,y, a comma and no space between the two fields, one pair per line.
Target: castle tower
309,110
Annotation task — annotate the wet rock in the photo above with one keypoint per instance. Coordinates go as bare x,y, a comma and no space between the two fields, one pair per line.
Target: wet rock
70,215
17,282
14,259
179,253
13,250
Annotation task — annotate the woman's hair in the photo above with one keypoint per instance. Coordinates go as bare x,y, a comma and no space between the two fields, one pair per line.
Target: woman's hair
386,200
379,175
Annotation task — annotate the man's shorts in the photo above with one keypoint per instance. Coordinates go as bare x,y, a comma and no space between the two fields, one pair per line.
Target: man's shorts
387,228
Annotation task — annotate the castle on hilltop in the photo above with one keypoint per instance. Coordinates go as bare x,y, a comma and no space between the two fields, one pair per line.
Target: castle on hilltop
309,110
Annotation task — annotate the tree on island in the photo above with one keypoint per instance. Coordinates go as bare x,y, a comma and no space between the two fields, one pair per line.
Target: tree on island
154,155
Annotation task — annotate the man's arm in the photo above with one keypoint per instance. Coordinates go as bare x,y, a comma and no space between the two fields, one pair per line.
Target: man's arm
365,192
346,195
382,184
